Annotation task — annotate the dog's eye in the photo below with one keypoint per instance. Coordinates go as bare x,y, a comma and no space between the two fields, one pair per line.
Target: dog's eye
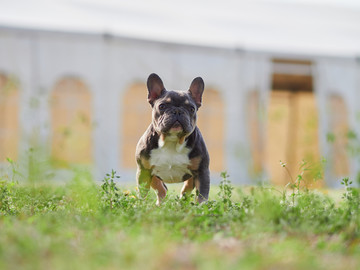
162,106
192,109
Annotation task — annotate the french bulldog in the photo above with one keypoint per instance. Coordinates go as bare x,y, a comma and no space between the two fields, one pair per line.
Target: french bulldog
172,149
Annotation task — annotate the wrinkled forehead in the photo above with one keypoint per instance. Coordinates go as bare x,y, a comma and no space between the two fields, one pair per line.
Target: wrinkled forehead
178,98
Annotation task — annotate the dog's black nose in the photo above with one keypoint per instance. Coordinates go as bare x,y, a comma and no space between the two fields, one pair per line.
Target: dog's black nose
177,111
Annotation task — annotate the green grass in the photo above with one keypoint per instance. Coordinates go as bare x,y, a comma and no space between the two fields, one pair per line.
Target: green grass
81,225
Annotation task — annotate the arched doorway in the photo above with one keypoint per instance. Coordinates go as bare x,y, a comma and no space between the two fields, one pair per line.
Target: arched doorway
71,118
292,128
255,130
136,115
339,128
211,124
9,118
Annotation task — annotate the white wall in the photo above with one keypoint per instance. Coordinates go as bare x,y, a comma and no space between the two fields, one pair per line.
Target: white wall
109,65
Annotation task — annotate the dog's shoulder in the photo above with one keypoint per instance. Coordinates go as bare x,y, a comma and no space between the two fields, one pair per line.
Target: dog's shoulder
197,145
148,141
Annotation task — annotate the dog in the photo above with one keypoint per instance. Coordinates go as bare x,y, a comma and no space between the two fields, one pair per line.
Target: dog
172,149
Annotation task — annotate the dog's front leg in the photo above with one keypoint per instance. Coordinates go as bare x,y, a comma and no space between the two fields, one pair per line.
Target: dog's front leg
159,188
143,180
202,184
187,187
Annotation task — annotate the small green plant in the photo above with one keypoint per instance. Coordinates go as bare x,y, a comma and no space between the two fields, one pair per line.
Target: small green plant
5,198
350,210
306,170
353,149
294,185
348,196
226,188
110,193
14,167
351,197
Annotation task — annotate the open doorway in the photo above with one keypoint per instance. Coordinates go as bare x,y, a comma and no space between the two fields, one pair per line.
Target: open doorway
9,117
71,116
292,126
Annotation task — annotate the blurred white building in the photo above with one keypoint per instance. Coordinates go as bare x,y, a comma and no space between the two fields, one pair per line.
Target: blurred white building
282,82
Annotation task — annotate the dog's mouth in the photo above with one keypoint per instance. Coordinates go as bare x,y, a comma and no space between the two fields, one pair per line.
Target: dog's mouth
176,127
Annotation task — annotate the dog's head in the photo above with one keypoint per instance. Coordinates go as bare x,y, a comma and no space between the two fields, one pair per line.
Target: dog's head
174,112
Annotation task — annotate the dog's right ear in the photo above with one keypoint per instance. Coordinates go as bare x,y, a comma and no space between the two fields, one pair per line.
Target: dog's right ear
155,88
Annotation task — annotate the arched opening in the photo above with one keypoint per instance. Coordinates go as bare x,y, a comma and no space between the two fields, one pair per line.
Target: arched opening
211,124
339,127
71,118
9,118
136,115
254,133
292,128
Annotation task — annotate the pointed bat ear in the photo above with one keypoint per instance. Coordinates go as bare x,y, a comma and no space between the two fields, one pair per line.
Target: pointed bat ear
155,88
196,90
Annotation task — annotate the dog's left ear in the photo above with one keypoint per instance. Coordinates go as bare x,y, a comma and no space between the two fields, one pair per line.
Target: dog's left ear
196,90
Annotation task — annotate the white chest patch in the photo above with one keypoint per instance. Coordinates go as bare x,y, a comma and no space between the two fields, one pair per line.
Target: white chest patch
170,161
